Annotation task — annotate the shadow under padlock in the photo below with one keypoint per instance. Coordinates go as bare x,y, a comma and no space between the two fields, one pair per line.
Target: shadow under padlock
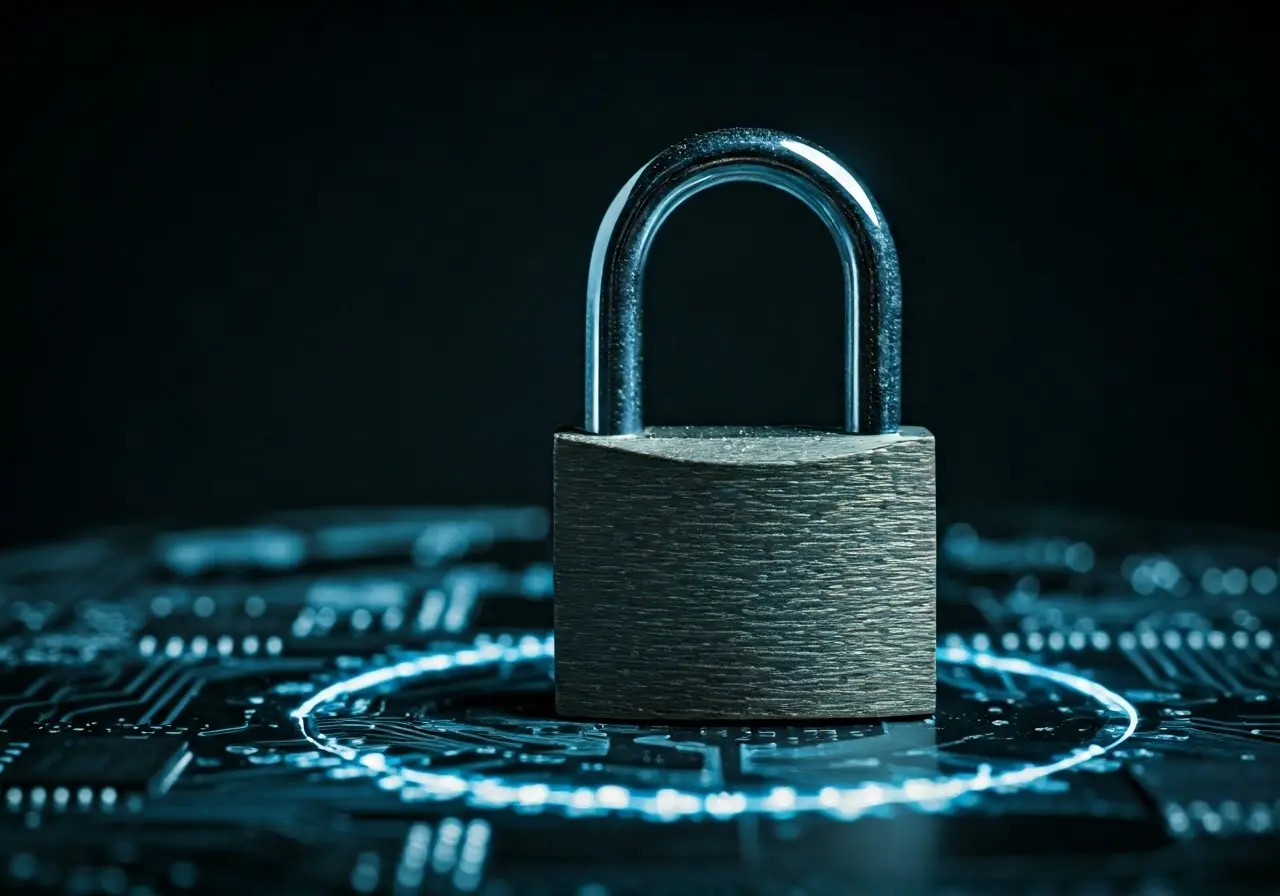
758,573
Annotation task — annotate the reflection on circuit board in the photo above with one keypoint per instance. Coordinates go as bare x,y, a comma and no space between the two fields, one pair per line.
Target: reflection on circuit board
360,701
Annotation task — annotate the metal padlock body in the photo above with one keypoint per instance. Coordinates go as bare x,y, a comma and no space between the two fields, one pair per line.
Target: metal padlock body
744,573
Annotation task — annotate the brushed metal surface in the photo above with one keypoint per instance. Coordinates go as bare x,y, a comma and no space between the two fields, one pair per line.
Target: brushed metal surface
716,573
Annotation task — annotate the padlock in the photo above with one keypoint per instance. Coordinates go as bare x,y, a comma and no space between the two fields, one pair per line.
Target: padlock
760,573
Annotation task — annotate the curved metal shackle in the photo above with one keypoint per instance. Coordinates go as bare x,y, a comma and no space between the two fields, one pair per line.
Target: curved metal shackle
872,286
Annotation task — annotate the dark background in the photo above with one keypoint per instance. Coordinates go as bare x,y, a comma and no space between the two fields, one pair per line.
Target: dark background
279,260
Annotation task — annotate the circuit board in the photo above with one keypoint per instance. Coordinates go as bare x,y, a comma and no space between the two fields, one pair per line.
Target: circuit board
360,701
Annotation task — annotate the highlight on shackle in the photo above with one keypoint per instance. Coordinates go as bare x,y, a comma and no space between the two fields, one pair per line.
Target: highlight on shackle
872,285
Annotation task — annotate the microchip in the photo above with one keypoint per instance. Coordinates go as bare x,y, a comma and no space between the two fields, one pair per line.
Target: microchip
83,772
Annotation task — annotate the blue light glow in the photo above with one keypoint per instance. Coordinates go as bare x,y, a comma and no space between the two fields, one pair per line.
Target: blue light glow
667,804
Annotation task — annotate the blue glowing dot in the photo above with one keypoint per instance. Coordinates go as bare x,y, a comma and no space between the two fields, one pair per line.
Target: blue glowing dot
1079,557
1264,580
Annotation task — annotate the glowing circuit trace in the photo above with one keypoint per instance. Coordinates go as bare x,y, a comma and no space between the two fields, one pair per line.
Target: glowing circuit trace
666,804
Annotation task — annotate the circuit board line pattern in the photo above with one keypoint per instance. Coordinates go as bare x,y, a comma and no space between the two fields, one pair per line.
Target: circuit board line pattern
359,700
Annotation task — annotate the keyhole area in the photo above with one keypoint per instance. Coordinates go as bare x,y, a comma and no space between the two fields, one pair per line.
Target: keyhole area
744,314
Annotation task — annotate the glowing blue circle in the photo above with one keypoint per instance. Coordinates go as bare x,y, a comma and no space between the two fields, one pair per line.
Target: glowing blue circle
669,803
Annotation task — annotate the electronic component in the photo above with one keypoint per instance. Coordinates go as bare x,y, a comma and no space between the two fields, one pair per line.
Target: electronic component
362,715
87,772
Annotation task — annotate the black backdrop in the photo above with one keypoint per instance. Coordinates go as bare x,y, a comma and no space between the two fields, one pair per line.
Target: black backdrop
271,260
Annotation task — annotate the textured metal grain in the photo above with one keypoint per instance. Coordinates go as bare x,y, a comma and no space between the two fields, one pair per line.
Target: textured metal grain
745,574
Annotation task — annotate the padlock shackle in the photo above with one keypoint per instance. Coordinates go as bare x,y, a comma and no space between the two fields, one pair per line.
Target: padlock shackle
872,286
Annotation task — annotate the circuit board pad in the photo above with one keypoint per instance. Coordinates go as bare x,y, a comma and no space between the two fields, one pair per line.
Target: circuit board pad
360,701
